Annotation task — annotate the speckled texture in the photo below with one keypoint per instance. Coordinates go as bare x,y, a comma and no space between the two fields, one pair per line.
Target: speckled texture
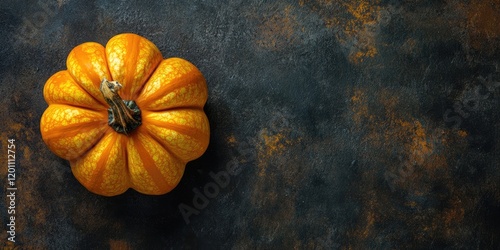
334,125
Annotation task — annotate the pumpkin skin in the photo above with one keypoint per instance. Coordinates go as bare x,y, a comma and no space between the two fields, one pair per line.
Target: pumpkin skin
170,94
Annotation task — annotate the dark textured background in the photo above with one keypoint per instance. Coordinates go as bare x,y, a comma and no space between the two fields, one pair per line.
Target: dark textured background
351,124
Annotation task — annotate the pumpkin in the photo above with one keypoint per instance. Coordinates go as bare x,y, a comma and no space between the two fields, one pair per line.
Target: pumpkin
124,117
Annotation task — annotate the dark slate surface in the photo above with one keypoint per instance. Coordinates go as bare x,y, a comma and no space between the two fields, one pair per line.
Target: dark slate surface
344,125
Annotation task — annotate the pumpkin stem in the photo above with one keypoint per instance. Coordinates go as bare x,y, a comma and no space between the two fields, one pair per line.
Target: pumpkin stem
123,115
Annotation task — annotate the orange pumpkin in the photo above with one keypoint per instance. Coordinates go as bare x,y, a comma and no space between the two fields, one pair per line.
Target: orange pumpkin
125,117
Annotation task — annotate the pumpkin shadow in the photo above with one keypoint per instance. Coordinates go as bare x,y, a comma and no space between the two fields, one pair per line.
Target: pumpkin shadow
190,193
143,219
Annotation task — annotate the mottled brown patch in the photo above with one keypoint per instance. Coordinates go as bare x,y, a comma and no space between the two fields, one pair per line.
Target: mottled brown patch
60,3
355,23
27,152
394,129
472,23
119,245
413,142
9,245
273,143
417,154
275,189
279,30
231,139
482,24
273,148
410,47
359,107
462,133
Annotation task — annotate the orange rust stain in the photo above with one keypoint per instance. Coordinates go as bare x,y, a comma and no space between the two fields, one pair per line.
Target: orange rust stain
119,245
17,131
231,139
9,245
394,132
354,23
27,153
369,217
435,162
3,156
362,10
462,133
16,126
359,107
423,153
455,213
356,29
280,30
274,143
392,128
277,169
419,147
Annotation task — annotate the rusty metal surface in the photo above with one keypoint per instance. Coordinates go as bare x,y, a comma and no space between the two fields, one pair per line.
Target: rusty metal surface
335,125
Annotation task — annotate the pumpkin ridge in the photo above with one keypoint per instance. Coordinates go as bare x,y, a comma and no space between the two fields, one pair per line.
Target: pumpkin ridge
73,129
162,144
62,79
79,119
179,82
66,131
139,59
99,101
100,109
185,130
193,133
97,174
138,91
176,108
150,165
84,61
131,62
153,61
